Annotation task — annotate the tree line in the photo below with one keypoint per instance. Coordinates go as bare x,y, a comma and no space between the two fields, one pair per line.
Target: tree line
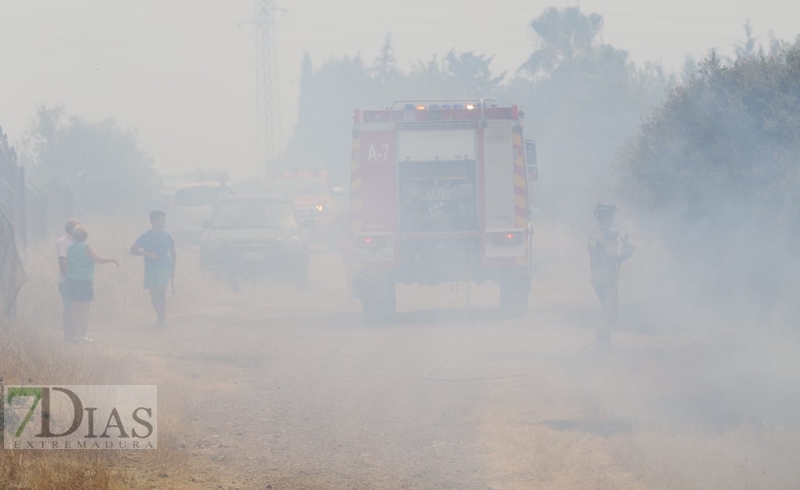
573,89
714,171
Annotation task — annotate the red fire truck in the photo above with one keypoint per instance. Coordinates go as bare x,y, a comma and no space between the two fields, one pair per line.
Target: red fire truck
440,192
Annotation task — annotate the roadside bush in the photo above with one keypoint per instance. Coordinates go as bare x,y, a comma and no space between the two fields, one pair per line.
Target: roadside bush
715,172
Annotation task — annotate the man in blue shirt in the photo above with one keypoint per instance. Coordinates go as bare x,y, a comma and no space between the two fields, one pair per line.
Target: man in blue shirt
158,249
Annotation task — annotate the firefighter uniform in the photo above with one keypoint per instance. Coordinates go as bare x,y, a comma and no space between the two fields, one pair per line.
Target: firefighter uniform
606,252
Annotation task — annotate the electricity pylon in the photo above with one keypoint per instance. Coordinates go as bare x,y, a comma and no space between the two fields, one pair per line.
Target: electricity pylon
268,111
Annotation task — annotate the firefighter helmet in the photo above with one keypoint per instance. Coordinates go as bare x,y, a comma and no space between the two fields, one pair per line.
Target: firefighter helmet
604,210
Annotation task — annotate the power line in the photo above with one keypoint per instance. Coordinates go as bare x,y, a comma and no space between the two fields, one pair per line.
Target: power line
268,114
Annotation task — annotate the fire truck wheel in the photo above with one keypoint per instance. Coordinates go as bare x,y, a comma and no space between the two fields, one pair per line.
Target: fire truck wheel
514,295
378,306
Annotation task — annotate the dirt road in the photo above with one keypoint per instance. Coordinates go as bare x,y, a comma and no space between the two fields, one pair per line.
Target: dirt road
295,392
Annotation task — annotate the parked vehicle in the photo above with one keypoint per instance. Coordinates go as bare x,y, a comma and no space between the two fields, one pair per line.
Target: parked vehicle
313,195
191,204
256,234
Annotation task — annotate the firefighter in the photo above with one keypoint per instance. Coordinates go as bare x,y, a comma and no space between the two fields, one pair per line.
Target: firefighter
606,252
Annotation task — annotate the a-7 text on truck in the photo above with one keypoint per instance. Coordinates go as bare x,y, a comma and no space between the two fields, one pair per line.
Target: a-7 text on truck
440,192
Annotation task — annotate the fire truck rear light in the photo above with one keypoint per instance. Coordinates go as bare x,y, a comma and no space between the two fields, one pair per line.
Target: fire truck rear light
505,239
374,247
365,241
373,242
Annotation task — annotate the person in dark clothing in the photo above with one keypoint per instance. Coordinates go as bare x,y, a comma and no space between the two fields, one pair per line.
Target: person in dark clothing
606,252
158,249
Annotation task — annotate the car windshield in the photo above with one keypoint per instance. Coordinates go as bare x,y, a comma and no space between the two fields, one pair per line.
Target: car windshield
297,186
199,196
254,214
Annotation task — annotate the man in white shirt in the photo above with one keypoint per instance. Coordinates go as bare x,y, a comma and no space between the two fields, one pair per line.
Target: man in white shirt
62,245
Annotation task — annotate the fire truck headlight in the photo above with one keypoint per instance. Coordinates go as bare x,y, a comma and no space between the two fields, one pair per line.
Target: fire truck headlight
321,207
470,107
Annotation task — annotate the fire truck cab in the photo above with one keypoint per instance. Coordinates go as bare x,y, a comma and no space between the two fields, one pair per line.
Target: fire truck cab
440,192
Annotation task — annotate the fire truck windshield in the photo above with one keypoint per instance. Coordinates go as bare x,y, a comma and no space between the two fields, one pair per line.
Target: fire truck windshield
298,186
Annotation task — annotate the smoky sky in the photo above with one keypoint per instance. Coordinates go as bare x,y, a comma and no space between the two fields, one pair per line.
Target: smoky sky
182,72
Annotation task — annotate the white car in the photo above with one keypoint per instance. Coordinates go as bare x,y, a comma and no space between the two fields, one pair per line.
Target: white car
191,205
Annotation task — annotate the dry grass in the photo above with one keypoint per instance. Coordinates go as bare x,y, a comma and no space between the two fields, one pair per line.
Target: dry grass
746,458
31,358
32,352
525,450
526,455
28,358
56,471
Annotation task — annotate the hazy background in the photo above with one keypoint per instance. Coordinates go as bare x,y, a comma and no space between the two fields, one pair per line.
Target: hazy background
703,159
182,72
